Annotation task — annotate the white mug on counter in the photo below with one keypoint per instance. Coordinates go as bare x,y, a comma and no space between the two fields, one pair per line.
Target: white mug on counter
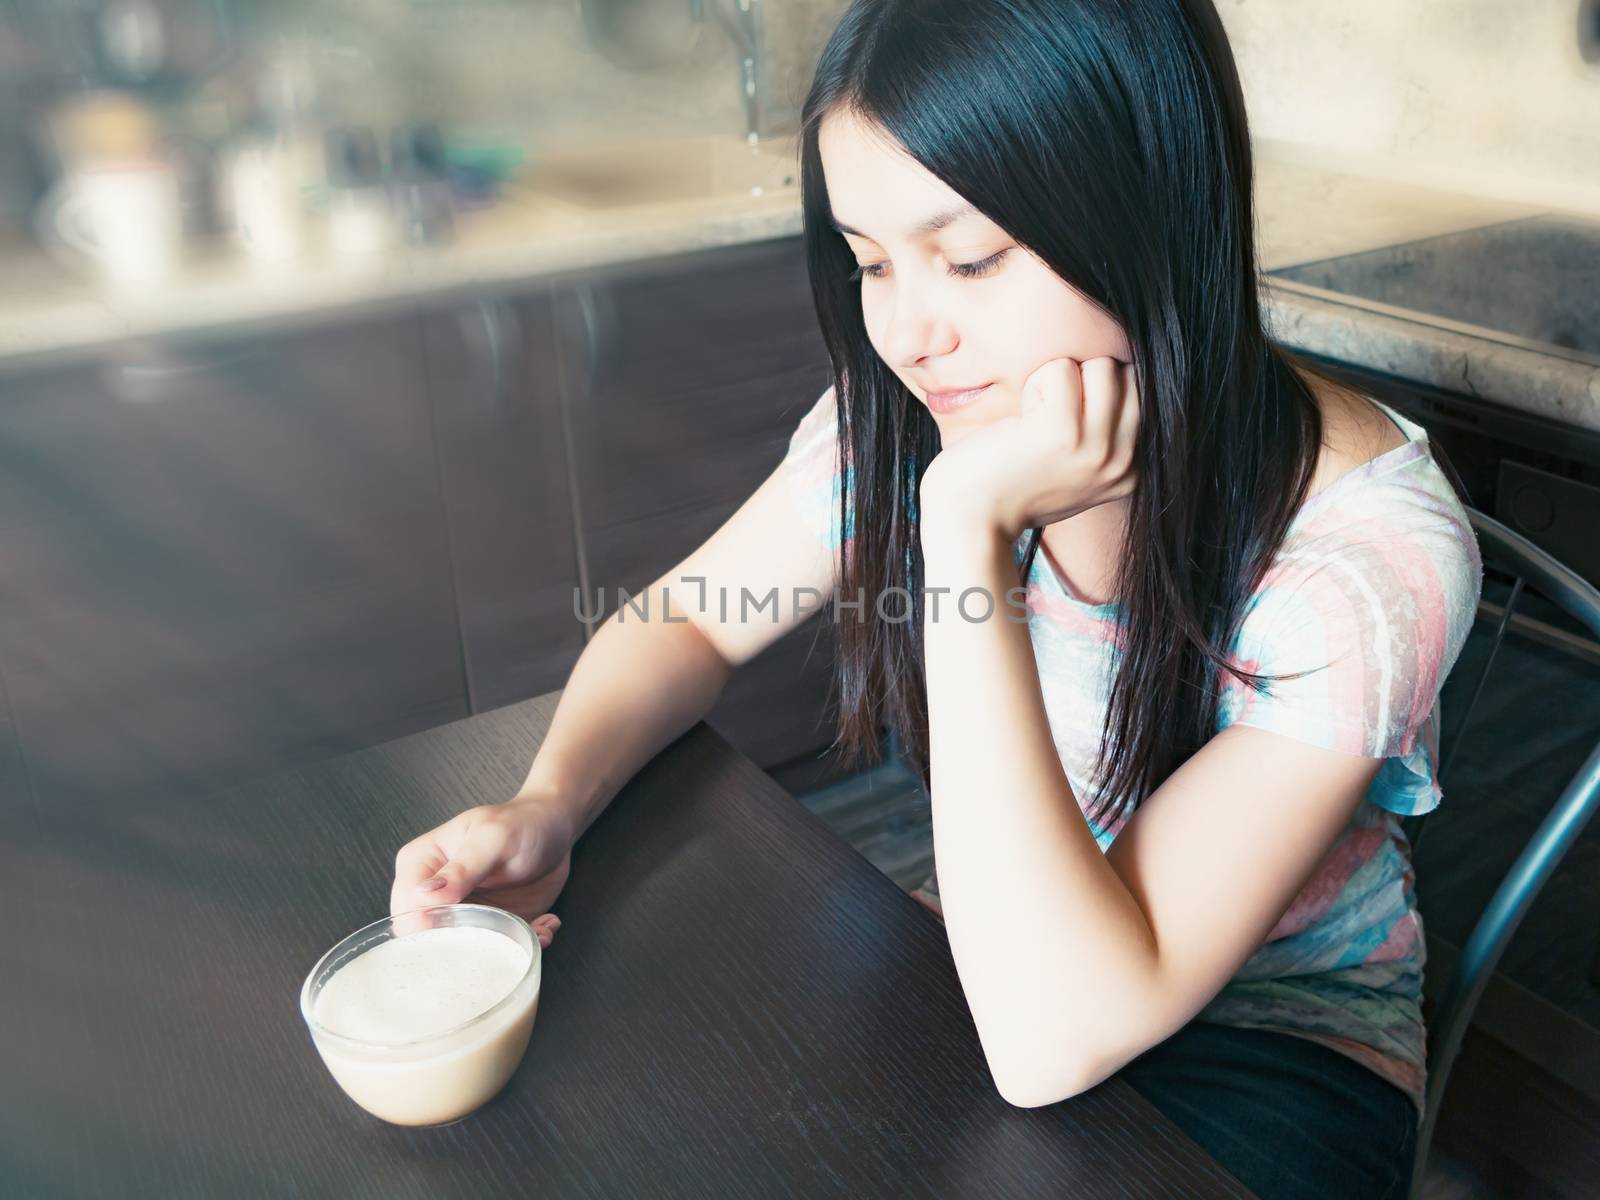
262,183
126,218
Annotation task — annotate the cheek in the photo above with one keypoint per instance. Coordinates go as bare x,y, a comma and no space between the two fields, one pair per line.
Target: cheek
1105,336
874,334
1062,321
873,317
1091,333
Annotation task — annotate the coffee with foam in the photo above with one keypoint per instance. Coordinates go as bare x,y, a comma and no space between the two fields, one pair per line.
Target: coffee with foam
422,1029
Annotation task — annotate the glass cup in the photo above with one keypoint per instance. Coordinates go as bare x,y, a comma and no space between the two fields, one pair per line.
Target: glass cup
440,1078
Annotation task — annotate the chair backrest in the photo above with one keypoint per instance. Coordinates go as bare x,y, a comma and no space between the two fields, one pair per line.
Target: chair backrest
1529,567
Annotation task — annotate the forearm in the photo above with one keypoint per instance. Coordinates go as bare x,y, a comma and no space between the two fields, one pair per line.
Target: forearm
637,686
1055,955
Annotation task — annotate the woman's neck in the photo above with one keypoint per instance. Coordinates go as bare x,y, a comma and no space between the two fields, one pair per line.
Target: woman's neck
1084,550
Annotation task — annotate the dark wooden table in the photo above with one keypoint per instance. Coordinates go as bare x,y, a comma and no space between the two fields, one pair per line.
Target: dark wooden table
738,1004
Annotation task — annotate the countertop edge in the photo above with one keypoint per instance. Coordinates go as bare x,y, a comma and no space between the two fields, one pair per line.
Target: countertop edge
67,323
1548,385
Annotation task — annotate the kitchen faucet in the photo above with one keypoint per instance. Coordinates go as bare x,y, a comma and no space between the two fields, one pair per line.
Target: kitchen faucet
738,18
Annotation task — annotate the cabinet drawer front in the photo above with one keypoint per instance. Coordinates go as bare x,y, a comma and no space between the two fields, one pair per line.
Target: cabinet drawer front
685,381
242,565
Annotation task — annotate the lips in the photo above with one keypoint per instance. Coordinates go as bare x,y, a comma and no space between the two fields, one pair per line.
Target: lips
949,401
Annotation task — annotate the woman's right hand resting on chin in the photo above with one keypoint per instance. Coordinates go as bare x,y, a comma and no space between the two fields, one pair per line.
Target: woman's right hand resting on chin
515,856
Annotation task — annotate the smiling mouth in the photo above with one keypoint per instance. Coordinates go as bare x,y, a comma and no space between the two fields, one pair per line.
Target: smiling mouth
944,402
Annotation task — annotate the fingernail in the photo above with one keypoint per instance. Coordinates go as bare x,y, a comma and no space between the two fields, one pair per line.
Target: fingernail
432,885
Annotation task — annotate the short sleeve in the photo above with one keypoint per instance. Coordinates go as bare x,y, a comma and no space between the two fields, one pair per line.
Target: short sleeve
810,469
1356,624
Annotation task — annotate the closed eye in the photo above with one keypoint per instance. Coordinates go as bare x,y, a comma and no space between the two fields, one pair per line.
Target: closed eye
971,270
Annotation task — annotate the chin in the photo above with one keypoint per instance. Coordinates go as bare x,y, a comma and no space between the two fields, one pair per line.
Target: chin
953,427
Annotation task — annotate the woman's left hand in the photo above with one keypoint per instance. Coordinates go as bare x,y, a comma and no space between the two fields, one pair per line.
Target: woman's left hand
1070,449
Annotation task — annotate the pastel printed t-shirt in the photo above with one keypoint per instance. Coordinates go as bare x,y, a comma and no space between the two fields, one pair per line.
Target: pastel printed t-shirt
1371,596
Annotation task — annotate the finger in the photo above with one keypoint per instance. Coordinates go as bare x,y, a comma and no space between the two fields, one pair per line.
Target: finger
1127,435
415,866
1102,394
1053,393
545,928
1132,404
1070,410
476,855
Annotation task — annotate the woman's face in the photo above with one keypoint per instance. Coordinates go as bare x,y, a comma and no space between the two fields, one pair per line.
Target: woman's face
949,303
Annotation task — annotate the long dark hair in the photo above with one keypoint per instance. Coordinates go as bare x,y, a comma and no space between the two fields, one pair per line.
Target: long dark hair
1108,137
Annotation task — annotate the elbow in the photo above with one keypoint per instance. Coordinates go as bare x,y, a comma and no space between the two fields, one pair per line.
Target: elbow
1039,1059
1031,1096
1038,1084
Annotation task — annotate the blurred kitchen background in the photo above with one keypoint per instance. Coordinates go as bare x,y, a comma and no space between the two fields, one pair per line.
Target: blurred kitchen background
344,344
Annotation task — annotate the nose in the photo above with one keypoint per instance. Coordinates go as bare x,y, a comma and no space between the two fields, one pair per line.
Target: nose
917,329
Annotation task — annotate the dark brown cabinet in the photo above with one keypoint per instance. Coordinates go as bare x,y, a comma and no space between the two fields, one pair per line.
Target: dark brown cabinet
225,554
684,378
494,390
16,813
220,556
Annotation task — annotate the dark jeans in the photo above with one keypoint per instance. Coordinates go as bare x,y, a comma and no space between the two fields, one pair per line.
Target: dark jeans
1288,1117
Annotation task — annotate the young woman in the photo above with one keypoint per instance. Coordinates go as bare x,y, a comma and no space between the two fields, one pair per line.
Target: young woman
1179,607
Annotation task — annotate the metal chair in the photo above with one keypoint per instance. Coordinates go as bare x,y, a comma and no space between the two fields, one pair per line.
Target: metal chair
1528,565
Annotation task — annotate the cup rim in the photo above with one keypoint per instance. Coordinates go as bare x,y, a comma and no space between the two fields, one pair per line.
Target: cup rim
322,1031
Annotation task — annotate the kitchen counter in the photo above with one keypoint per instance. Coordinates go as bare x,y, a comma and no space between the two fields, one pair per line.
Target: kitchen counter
1305,213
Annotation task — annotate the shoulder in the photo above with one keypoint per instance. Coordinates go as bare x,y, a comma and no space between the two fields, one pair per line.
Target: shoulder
1379,504
814,444
1354,432
810,467
1393,545
1366,604
1379,508
815,435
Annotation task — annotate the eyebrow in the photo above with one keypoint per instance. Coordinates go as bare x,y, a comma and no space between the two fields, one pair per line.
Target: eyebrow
932,225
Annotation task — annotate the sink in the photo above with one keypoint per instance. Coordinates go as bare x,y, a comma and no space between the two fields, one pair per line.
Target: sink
661,171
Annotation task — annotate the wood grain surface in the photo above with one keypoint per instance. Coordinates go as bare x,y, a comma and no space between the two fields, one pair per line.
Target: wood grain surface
738,1004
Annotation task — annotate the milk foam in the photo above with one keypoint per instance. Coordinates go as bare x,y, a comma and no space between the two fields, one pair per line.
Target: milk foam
421,985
